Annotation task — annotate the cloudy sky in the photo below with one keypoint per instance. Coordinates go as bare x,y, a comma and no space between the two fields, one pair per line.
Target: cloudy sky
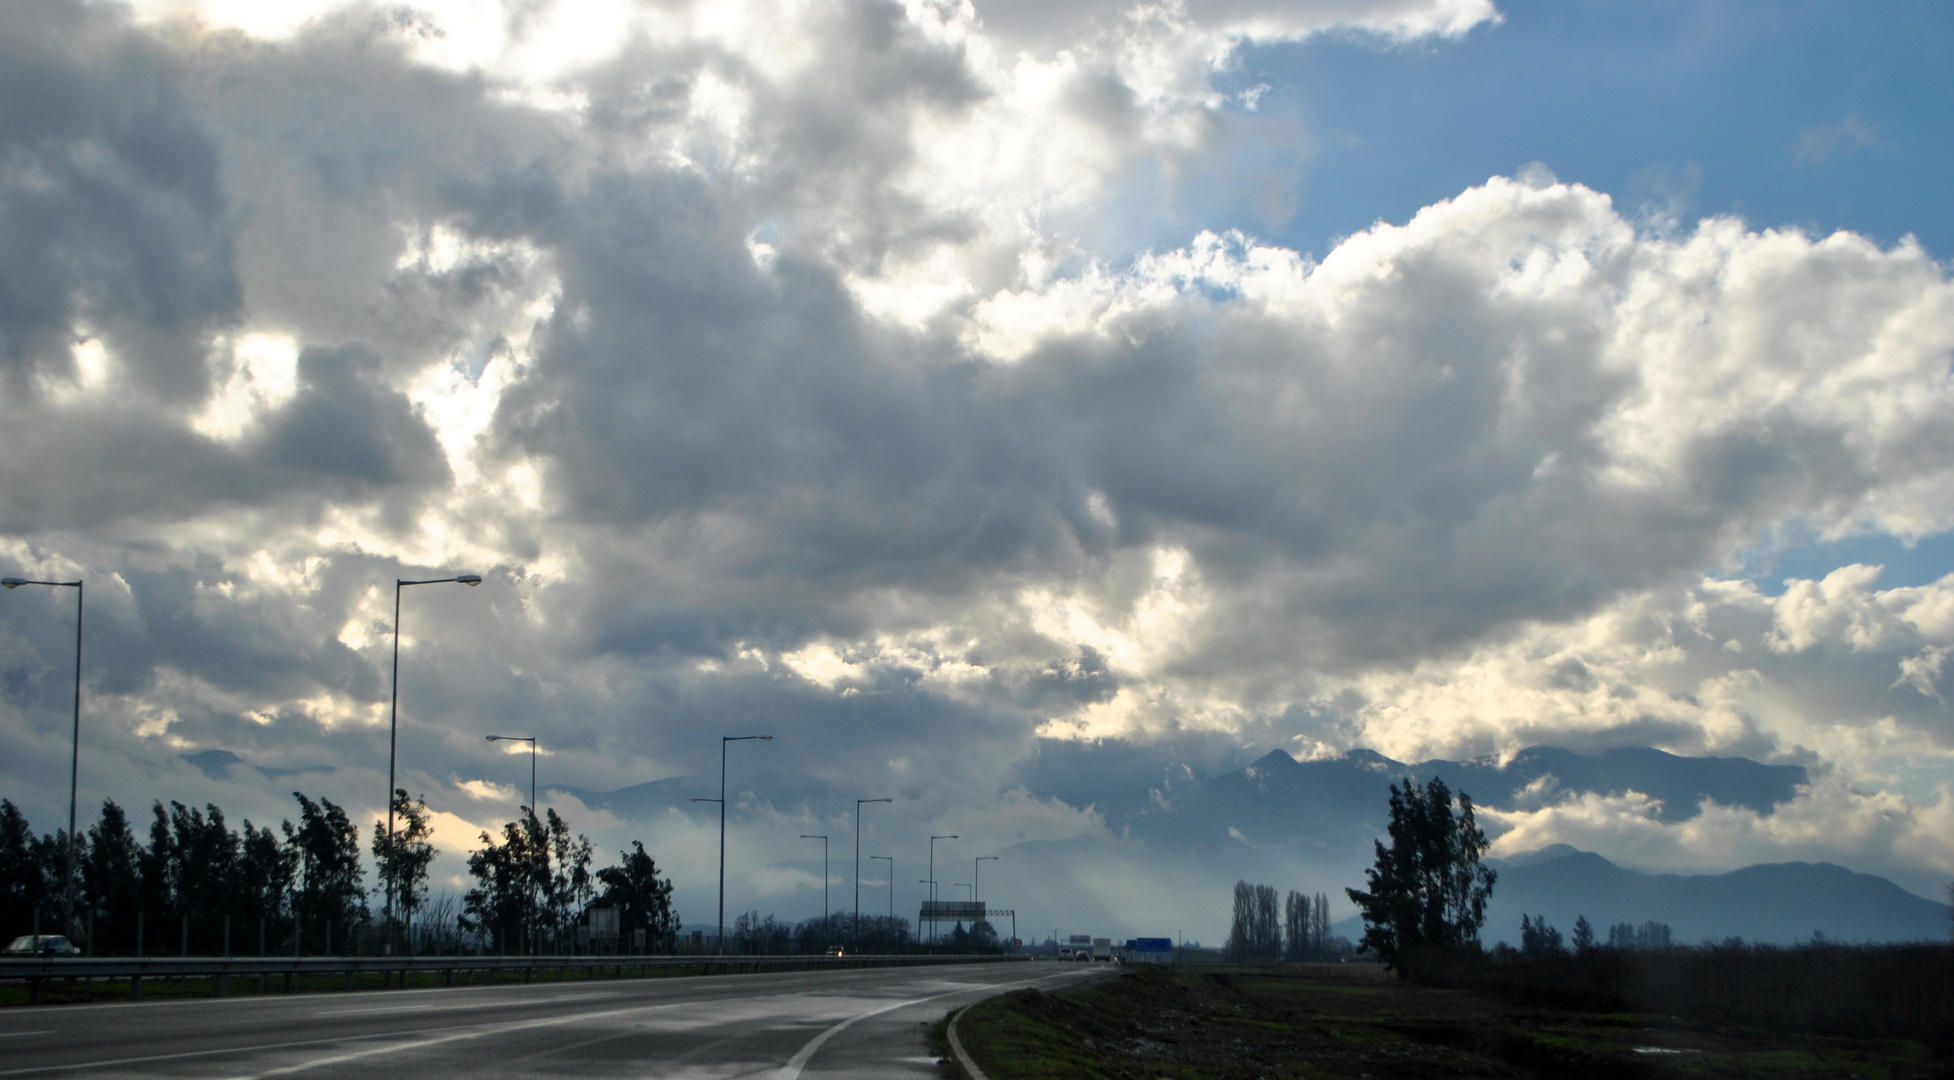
923,382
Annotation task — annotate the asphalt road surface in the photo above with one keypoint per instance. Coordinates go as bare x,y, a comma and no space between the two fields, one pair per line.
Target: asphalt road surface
863,1023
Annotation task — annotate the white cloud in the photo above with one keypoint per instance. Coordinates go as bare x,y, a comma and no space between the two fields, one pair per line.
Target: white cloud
759,355
1827,822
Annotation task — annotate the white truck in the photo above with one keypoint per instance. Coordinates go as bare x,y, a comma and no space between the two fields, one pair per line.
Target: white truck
1102,948
1078,947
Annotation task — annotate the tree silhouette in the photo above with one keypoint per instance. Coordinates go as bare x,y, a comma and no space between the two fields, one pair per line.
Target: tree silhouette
643,899
1583,934
332,900
111,878
1296,910
503,903
402,860
23,883
1537,938
1428,890
1256,929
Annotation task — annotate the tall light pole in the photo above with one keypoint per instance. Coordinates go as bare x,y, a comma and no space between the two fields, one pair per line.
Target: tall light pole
932,877
824,877
977,875
74,753
859,803
723,741
393,737
891,860
531,740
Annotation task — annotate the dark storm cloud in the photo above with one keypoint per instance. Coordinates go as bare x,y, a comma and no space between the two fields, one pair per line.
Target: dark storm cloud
112,211
346,426
342,437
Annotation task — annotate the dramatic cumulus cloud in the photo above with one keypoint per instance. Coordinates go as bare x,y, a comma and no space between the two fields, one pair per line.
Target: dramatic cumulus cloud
790,367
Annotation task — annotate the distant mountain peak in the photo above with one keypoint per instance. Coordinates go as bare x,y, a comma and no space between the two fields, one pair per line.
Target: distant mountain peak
1544,855
216,764
1275,759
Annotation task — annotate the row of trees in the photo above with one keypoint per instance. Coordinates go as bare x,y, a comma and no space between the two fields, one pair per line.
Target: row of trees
195,884
1303,932
1538,938
200,886
755,935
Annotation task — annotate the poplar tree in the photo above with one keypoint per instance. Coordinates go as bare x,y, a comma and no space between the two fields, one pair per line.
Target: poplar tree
1428,890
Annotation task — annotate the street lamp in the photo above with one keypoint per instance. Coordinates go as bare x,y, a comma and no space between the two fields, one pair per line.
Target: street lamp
932,878
977,875
891,860
723,740
859,803
531,740
393,735
74,753
824,877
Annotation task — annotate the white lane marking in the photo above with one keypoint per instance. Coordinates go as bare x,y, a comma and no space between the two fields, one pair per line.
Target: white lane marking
274,1000
792,1070
163,1057
472,1031
18,1034
455,1006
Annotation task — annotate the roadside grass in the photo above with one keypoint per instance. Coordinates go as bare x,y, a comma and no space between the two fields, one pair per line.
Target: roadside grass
1238,1023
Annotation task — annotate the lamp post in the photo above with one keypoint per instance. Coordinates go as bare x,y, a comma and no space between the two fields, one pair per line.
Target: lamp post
859,803
723,741
74,753
531,740
977,876
824,877
891,860
932,878
393,736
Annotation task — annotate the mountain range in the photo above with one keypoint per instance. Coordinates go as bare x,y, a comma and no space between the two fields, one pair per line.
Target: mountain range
1174,842
1769,902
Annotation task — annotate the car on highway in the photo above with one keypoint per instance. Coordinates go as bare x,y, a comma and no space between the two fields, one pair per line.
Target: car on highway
41,945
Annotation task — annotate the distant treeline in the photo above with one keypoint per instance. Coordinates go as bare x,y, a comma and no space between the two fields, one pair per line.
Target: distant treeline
199,886
1300,930
753,934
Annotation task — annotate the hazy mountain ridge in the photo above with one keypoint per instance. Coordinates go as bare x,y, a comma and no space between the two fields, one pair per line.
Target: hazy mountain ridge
1309,825
1358,783
1773,903
217,764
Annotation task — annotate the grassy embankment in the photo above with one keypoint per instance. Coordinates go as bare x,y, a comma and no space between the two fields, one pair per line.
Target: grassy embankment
1281,1023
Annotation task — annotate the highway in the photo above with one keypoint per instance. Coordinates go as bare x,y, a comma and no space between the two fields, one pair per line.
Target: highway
862,1023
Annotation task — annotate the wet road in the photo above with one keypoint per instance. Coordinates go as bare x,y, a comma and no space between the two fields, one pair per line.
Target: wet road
864,1023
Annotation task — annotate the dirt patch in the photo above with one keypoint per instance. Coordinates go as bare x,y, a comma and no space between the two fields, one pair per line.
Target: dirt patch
1275,1024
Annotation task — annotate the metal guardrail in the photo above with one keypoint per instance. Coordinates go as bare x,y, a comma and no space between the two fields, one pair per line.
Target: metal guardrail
36,970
